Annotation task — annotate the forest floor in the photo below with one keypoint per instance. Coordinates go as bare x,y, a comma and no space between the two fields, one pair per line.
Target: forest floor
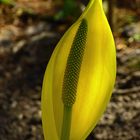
26,44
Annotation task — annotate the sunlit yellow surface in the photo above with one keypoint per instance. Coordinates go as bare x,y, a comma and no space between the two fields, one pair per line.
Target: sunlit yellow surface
96,80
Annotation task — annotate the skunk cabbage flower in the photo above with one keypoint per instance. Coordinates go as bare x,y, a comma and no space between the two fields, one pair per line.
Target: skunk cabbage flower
79,78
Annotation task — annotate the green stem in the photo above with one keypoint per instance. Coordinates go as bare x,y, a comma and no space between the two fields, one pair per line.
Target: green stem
66,126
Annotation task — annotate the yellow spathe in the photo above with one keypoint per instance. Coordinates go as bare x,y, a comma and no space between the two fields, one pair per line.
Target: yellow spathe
96,79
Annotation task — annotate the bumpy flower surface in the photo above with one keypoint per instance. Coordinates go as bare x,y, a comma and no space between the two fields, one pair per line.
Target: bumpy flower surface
80,74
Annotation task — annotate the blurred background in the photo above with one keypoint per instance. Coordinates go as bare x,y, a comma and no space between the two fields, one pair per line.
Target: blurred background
29,31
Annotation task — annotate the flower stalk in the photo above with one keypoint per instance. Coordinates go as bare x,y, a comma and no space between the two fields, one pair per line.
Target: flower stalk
66,125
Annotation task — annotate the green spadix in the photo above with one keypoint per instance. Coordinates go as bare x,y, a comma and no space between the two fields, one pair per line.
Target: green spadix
79,78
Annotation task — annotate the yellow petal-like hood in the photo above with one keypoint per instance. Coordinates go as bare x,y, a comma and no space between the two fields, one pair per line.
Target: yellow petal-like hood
96,77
